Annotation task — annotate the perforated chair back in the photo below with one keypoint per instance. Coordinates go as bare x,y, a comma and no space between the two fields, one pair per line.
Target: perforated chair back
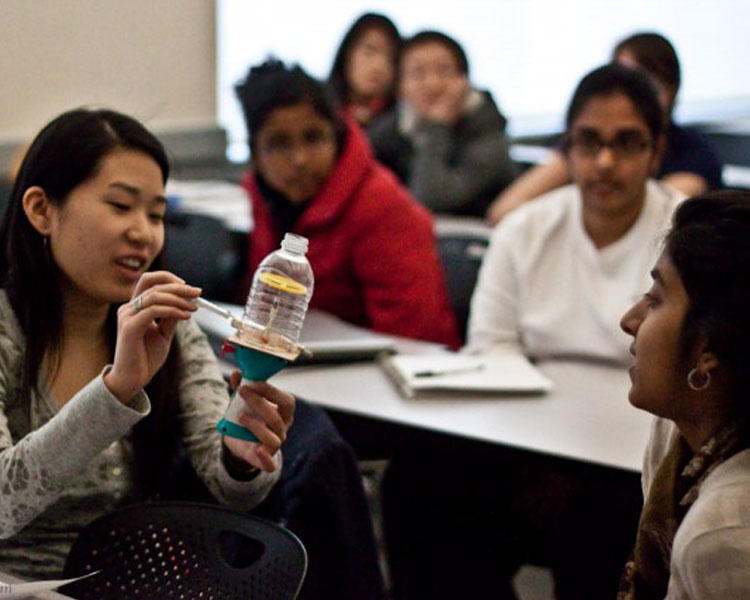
185,551
5,189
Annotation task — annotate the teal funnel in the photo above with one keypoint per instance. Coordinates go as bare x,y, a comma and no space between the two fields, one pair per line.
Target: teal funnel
255,365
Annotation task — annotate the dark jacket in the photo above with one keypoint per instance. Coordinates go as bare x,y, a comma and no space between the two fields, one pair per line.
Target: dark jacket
458,169
320,498
689,151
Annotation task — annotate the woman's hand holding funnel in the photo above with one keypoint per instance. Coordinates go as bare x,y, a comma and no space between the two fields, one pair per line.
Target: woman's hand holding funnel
268,413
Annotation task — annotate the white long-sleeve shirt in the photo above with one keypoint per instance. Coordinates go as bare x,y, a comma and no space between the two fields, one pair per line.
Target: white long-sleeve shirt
545,290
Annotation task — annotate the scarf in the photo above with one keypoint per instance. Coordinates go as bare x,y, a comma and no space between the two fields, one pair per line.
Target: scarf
675,488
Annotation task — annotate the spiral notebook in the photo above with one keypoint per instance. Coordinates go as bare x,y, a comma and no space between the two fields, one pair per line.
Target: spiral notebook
498,373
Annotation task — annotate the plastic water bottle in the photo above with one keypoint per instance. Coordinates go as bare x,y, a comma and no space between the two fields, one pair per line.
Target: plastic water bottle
281,290
273,317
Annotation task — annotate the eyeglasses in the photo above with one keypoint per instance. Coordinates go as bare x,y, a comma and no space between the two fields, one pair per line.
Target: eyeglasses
422,72
625,144
282,145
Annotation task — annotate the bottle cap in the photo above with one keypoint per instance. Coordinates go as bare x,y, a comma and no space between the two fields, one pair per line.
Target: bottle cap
294,243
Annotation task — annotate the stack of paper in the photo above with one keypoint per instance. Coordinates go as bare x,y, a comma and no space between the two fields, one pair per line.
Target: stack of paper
499,373
36,589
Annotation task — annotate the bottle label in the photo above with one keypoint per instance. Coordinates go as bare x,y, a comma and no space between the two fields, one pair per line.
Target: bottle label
280,282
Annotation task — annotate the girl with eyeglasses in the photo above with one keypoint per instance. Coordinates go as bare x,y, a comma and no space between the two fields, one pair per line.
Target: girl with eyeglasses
445,139
688,162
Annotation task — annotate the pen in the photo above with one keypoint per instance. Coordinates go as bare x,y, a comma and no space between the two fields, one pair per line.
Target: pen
457,370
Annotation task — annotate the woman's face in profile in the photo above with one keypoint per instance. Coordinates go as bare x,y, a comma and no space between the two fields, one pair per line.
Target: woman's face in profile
295,151
655,322
370,65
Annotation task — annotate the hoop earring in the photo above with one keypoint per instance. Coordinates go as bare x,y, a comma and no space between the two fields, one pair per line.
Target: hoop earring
691,380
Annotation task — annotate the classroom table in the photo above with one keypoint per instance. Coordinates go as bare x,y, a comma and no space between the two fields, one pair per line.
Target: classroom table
586,416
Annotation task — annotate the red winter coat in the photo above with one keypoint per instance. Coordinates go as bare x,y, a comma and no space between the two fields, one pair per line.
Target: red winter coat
371,248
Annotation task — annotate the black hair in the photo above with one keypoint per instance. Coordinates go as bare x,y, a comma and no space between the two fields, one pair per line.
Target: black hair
708,245
430,36
68,151
272,85
655,55
616,79
337,79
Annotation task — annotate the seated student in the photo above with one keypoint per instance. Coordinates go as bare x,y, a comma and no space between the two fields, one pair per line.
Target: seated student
445,140
690,369
103,375
556,276
588,245
372,247
364,71
83,226
689,163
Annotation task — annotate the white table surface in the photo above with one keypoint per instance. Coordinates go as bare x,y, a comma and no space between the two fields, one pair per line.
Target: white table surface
586,416
225,201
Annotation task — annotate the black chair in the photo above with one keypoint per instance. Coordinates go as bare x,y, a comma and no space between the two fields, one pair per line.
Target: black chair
185,550
5,189
461,250
201,250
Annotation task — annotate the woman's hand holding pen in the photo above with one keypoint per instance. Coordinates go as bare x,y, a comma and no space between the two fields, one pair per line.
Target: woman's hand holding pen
145,329
268,414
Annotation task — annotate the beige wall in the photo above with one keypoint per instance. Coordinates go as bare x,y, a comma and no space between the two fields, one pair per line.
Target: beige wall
154,59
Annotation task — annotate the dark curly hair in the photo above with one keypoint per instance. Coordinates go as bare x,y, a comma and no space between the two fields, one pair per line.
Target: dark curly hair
271,85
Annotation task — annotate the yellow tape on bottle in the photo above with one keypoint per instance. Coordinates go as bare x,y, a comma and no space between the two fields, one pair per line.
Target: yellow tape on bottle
280,282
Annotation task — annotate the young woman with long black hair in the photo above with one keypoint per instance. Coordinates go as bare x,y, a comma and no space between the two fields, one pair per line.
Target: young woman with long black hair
105,381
